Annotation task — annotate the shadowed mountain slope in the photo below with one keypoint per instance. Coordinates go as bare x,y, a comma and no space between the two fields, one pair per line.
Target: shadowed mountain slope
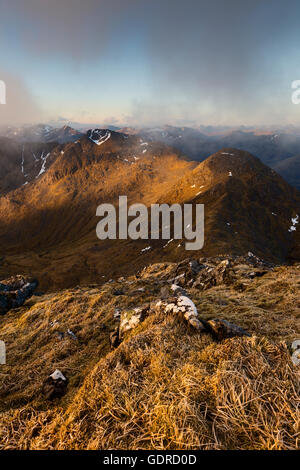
289,169
22,163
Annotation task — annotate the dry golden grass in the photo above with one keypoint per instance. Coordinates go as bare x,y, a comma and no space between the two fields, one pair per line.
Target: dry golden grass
166,386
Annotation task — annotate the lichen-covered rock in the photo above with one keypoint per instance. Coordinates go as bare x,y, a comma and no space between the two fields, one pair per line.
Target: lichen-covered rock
165,292
181,305
15,291
130,319
221,329
296,352
178,290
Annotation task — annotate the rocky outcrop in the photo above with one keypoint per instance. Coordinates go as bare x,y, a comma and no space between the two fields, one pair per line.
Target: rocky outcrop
182,305
174,295
201,275
210,277
174,300
206,273
15,291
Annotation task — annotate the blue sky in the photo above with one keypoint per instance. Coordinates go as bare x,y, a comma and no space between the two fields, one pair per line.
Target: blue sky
137,62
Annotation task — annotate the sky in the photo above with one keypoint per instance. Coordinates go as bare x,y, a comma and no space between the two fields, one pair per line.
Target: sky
150,62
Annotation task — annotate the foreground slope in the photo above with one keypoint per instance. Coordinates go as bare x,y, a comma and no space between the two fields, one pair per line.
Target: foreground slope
167,385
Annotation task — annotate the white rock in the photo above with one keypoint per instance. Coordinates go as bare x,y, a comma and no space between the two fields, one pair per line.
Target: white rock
295,345
296,354
57,374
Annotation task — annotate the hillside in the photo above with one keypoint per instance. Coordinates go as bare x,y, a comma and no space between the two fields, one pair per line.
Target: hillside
22,163
168,385
47,228
289,169
273,149
248,207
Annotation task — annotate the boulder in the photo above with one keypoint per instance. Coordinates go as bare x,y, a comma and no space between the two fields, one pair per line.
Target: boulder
15,291
114,338
221,329
183,306
165,292
296,352
55,386
178,290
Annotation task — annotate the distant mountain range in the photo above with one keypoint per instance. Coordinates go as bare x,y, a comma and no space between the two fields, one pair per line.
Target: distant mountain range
279,150
41,133
272,149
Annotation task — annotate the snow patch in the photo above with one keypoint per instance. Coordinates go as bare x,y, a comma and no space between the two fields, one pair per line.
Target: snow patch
294,221
102,137
168,243
184,301
44,161
22,162
146,249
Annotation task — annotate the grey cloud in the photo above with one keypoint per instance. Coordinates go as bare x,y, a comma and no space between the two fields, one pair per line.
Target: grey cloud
73,28
220,60
210,60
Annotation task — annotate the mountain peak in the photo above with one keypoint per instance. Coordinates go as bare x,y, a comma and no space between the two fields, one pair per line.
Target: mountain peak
234,159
